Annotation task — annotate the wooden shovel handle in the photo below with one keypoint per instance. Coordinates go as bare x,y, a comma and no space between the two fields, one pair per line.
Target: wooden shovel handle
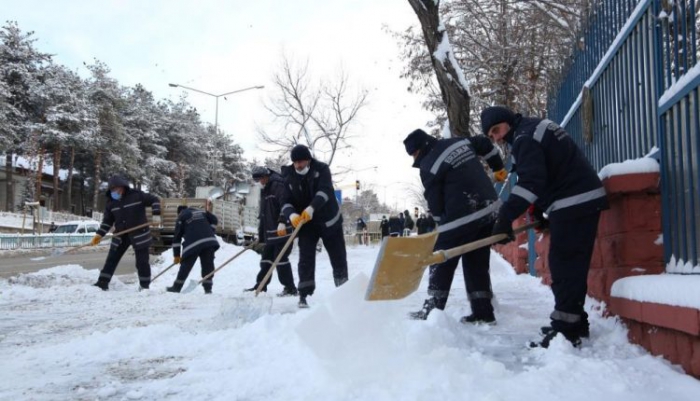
227,262
128,230
443,255
277,260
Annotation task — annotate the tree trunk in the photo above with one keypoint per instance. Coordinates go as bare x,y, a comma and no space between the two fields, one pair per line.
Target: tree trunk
450,77
39,172
70,180
56,165
9,183
96,179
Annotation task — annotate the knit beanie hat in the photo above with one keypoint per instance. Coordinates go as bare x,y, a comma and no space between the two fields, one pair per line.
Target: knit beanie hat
495,115
416,140
300,152
259,172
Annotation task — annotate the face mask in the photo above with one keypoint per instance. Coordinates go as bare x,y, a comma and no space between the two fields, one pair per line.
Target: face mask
303,171
259,184
115,195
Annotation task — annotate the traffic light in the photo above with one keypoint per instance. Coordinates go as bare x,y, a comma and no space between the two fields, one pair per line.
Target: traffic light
357,185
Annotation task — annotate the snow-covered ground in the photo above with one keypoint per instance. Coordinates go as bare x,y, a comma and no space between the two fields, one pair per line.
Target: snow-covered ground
63,339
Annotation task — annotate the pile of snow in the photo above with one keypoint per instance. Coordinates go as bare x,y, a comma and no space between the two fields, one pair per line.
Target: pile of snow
63,339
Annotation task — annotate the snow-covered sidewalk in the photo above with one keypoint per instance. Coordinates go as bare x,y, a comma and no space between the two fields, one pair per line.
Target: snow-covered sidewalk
62,339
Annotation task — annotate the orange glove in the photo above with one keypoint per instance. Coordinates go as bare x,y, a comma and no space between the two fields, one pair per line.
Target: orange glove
500,175
281,230
96,240
295,219
307,214
177,260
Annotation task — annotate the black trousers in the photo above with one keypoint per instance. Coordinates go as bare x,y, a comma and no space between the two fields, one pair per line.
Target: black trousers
334,242
570,250
284,268
117,249
475,267
206,260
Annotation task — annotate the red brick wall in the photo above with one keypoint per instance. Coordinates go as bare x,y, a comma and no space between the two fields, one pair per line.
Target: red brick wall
625,246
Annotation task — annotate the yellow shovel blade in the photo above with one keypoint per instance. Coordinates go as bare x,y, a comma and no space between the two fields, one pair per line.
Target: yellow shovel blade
400,266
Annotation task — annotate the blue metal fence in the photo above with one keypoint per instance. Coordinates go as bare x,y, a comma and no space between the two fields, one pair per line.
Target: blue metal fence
632,86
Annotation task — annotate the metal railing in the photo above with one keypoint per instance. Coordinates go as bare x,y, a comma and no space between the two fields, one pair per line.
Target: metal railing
633,87
32,241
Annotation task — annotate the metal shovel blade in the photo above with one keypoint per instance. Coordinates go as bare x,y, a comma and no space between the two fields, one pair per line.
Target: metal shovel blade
400,266
191,285
245,309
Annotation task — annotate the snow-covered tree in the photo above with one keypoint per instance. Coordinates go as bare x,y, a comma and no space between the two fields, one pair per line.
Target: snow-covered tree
511,52
20,67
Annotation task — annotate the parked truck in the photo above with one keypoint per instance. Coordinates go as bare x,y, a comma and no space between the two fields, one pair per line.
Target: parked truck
237,221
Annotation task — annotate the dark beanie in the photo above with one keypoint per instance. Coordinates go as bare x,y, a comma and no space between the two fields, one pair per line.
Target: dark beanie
259,172
300,152
117,181
495,115
416,140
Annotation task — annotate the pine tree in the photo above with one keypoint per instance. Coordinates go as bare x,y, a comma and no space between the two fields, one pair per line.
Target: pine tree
20,68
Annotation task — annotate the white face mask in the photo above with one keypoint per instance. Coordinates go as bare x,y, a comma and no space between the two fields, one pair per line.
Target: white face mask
303,171
259,184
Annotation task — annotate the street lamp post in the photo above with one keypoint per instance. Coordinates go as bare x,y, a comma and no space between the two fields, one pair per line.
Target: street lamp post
216,116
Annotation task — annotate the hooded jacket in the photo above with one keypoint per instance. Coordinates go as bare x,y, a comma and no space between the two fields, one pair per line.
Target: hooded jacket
127,212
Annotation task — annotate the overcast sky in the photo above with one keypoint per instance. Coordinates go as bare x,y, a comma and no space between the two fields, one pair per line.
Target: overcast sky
220,46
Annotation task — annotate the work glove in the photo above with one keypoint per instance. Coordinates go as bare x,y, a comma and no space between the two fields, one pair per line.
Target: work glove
500,175
503,226
281,230
295,219
96,240
307,214
536,214
177,260
157,220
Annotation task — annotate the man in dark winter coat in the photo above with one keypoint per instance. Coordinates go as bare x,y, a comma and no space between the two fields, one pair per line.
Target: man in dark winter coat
420,225
271,195
461,195
360,228
408,223
309,199
555,176
125,209
384,226
402,220
198,228
395,226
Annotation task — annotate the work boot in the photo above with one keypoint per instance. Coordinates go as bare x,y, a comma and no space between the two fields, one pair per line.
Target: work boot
479,319
104,286
422,314
302,302
573,337
175,288
207,290
482,312
288,292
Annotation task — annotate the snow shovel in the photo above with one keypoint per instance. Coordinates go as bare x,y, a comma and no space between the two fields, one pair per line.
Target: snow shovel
58,252
192,284
161,273
277,260
402,261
